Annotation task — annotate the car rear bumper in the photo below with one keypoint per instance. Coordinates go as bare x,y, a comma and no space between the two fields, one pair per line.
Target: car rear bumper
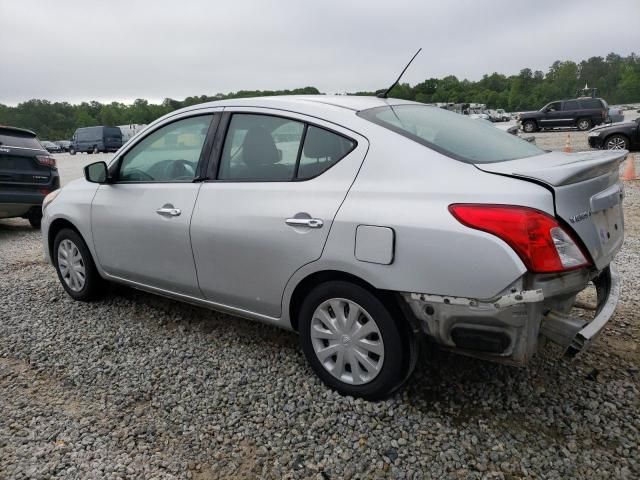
507,328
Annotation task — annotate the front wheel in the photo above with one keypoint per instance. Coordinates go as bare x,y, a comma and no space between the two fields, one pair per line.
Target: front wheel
72,151
617,142
529,126
584,124
95,149
74,265
351,340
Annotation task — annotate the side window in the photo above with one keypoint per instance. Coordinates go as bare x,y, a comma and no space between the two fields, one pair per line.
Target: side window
571,105
554,107
321,150
593,103
260,148
170,154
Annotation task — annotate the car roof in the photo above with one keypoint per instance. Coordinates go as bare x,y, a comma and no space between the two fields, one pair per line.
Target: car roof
7,130
349,102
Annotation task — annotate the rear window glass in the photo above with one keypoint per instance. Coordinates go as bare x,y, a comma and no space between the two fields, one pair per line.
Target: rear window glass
11,138
452,134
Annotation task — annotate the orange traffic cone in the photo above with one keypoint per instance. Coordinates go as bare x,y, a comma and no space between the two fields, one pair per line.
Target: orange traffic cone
629,172
567,145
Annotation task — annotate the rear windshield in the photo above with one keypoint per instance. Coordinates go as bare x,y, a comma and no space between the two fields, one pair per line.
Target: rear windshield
13,138
112,132
452,134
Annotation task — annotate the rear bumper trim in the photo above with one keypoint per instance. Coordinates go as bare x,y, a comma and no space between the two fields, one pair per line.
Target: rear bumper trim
608,286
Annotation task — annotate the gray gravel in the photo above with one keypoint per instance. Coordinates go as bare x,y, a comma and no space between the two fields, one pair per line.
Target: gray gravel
136,386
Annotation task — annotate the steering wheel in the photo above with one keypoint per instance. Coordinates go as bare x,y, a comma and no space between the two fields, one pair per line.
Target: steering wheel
180,170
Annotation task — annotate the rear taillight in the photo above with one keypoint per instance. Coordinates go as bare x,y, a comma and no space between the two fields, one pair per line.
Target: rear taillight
538,239
46,160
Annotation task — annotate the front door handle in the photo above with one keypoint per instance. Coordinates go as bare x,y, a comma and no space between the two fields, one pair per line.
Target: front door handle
170,211
304,222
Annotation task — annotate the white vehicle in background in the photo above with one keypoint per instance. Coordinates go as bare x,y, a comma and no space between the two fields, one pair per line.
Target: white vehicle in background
129,131
504,116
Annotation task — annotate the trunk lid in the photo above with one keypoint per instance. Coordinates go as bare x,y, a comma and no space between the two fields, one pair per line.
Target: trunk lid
587,194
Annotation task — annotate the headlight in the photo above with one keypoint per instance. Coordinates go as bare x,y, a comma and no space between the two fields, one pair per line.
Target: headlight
49,198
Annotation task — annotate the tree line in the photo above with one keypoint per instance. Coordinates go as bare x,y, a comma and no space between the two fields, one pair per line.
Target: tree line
617,79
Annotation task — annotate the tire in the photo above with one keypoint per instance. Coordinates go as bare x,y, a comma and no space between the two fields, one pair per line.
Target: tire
35,219
616,142
529,126
381,362
95,149
72,151
73,244
583,124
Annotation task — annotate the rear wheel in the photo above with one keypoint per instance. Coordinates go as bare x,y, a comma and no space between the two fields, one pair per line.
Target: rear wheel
617,142
352,341
74,265
95,149
35,218
529,126
72,151
583,124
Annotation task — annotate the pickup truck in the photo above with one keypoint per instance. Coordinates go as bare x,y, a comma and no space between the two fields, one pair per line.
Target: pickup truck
580,113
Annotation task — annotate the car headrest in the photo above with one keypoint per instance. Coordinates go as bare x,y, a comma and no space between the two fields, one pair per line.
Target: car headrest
259,148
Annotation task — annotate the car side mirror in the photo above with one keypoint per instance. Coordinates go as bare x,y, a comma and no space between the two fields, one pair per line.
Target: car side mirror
96,172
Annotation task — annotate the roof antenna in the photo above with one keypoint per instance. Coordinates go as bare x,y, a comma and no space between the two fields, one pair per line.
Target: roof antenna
385,94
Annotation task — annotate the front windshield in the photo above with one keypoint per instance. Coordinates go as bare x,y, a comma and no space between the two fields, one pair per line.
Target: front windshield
451,134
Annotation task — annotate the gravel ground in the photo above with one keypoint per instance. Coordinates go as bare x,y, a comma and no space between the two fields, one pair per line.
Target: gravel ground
137,386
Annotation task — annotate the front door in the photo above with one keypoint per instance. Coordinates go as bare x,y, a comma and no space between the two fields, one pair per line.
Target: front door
553,116
141,221
270,206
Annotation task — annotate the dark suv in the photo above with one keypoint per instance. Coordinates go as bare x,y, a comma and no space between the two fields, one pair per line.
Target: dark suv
28,173
581,113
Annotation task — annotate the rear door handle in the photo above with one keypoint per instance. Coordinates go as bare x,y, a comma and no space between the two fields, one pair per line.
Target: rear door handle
304,222
170,211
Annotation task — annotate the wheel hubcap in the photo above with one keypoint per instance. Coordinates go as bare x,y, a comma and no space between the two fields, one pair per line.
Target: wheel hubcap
584,125
616,144
71,265
347,341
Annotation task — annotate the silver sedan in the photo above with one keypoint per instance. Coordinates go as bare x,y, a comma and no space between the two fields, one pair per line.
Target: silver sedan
362,223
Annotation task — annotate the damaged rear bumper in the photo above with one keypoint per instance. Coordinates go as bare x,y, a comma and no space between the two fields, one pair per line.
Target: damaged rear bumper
507,328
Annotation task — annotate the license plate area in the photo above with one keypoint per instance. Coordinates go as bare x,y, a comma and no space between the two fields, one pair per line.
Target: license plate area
609,225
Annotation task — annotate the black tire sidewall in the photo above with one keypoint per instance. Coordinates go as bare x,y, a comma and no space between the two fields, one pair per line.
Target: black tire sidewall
92,278
584,120
529,122
392,370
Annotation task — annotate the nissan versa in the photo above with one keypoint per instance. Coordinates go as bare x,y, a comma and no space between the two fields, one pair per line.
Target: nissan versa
359,222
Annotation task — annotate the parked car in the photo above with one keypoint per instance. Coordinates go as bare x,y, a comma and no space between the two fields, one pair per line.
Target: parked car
27,174
63,144
581,113
362,223
616,114
504,116
50,146
96,139
616,136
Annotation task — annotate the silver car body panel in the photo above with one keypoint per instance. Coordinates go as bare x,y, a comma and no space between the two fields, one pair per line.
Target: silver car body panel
231,250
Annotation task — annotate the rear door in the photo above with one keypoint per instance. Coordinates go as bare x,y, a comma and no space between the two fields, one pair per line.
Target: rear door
571,111
587,193
267,209
141,221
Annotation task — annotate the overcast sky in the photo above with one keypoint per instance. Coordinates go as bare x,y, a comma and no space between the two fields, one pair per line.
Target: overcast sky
126,49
